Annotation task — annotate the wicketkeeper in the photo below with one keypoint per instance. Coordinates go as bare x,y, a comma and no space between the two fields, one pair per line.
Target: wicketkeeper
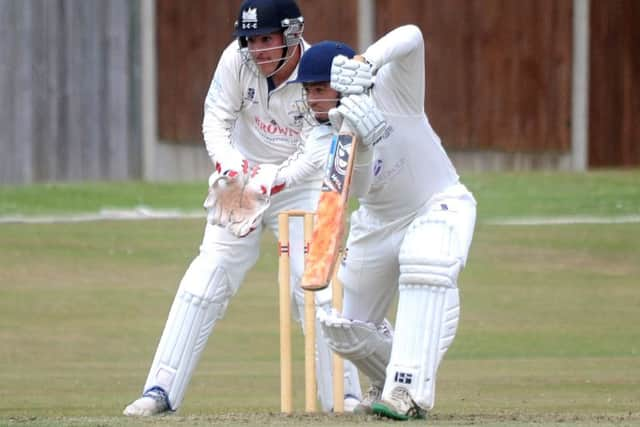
252,133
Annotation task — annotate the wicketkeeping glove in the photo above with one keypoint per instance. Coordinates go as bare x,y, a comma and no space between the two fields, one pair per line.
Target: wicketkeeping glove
232,204
349,76
233,167
362,116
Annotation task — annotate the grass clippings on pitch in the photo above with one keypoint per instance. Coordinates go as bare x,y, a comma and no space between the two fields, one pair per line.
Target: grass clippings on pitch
274,419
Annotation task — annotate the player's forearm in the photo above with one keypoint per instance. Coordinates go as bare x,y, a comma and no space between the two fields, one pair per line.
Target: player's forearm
362,173
219,148
395,44
298,168
310,158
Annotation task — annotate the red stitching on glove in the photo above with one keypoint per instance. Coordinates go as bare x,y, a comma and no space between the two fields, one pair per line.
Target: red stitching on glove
277,188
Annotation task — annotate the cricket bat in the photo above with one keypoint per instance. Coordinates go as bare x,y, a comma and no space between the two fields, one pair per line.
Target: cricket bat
329,227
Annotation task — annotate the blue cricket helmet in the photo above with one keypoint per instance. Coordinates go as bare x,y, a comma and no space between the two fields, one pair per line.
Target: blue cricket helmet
259,17
315,64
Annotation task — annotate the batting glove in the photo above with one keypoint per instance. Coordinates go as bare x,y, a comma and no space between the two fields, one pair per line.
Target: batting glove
362,116
349,76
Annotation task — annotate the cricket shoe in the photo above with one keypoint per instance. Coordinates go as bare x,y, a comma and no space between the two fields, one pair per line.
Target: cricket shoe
373,394
400,406
351,402
153,402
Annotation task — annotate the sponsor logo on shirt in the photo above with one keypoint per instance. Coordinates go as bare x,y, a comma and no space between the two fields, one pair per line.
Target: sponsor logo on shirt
297,117
297,120
250,96
272,130
377,167
385,174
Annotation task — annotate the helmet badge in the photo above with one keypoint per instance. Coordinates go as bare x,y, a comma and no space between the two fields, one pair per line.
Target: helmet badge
250,18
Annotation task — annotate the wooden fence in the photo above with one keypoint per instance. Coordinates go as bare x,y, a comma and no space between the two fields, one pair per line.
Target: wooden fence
498,79
498,71
69,84
191,37
614,89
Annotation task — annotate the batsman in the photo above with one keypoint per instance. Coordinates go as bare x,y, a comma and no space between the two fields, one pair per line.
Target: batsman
412,231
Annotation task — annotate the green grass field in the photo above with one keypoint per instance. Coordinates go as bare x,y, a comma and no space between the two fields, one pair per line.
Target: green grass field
549,332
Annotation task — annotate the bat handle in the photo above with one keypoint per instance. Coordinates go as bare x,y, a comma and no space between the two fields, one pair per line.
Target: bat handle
345,128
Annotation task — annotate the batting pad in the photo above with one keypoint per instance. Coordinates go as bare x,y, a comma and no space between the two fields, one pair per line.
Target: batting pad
432,313
428,307
202,299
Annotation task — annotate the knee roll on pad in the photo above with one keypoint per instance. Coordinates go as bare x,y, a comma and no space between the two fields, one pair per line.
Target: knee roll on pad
429,254
367,345
202,298
434,271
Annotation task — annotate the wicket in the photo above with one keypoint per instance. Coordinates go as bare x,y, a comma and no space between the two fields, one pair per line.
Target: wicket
286,364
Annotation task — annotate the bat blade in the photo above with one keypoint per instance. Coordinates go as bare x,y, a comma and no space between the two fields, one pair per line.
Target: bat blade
329,227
